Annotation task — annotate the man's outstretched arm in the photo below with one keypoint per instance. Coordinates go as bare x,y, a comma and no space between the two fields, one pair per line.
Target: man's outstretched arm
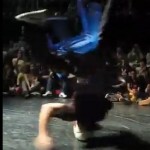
44,140
47,112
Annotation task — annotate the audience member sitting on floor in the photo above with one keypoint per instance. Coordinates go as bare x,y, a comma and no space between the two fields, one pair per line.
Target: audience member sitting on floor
143,70
120,56
50,81
135,55
146,101
27,81
18,62
133,86
35,84
55,78
43,76
125,68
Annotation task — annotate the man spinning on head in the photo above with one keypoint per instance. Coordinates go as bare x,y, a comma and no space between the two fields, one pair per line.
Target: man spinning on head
85,109
88,105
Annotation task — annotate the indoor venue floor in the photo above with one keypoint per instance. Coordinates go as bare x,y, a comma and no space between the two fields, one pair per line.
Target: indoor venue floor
125,127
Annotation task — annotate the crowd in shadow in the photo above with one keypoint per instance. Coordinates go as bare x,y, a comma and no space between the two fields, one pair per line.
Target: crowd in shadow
23,75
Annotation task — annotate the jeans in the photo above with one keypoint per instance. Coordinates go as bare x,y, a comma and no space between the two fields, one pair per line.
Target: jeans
51,83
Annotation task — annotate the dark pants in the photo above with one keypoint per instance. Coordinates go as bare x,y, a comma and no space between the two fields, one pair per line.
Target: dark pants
52,83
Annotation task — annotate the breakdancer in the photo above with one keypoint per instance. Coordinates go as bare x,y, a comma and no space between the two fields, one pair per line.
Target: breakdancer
85,109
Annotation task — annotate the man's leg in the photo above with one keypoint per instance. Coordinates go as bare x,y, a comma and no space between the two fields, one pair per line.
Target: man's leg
64,88
25,89
63,82
49,86
35,88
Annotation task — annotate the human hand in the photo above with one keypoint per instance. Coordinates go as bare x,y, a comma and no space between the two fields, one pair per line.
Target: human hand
44,142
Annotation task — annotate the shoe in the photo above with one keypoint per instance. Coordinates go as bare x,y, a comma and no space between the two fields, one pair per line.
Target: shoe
62,95
107,96
35,93
5,93
47,93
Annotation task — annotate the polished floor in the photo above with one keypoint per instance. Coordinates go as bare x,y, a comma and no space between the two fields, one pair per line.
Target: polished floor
126,127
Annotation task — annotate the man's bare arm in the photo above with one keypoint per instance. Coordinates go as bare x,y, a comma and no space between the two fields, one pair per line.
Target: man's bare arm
44,140
47,112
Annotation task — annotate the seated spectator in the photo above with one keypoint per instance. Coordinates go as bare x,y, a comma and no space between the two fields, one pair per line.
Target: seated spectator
115,97
125,68
133,86
120,55
18,62
146,101
63,76
47,76
28,81
143,70
34,81
43,76
55,78
135,55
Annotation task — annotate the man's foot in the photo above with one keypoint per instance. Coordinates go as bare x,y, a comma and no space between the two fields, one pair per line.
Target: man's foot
47,93
62,95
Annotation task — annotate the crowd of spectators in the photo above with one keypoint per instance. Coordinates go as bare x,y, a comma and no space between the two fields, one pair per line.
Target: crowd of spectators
134,68
22,75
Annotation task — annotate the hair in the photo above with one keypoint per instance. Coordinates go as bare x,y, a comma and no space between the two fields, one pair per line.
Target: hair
25,68
91,108
35,71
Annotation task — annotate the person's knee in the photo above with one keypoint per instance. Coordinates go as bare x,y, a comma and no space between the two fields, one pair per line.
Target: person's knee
37,84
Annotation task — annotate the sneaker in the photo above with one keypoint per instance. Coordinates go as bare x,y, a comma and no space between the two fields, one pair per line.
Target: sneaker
62,95
47,93
35,93
107,96
5,93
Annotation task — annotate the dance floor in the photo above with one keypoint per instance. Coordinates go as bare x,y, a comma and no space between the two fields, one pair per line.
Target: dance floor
127,127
